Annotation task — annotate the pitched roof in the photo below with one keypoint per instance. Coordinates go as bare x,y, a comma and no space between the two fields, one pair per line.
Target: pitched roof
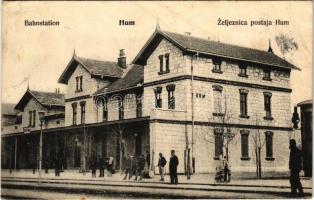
94,67
44,98
204,46
132,79
8,109
307,102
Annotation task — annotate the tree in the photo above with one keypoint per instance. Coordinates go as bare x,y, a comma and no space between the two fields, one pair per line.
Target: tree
258,142
221,119
286,44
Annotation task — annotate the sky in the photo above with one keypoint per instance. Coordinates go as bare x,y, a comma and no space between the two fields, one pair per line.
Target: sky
37,55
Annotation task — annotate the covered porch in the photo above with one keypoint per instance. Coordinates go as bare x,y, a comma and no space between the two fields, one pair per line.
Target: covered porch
75,147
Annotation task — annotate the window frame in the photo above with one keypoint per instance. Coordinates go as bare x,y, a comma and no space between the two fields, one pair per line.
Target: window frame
245,141
217,89
217,66
267,74
138,105
243,103
79,83
164,63
267,106
30,113
171,98
34,118
218,137
269,145
83,111
105,110
74,114
243,70
121,108
158,99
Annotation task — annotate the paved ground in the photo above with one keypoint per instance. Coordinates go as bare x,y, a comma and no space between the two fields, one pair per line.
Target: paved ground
199,186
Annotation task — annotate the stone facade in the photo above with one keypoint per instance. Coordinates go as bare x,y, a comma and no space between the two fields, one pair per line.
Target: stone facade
171,128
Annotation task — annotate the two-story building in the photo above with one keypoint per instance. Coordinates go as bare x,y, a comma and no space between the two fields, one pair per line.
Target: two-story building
20,139
182,93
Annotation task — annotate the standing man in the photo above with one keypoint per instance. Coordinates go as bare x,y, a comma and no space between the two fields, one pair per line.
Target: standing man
148,160
295,168
161,165
128,167
140,167
173,164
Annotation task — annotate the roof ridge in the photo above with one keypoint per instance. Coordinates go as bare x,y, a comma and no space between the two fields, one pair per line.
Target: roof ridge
224,43
40,91
95,59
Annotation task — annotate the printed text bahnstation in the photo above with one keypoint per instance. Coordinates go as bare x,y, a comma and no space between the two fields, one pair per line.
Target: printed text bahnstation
41,23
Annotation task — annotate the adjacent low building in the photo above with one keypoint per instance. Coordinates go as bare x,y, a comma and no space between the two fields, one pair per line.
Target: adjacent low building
180,92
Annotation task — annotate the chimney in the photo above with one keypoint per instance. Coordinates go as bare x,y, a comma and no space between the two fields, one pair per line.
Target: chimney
188,33
122,59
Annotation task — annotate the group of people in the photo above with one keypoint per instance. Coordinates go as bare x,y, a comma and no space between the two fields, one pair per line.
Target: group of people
102,164
173,164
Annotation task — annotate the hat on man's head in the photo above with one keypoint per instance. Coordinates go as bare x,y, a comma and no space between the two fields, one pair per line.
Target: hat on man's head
293,143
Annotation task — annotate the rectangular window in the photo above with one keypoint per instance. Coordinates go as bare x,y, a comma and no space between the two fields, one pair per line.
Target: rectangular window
244,144
167,62
217,66
34,118
161,63
138,106
74,108
269,145
158,100
30,118
267,105
218,100
79,83
105,110
218,142
171,98
243,70
243,103
266,75
82,112
121,108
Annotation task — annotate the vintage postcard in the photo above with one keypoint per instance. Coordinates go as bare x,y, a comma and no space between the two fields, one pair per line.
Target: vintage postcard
175,100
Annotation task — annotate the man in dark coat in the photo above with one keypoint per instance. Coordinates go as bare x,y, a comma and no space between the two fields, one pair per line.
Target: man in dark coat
295,168
173,164
128,167
101,164
161,165
140,167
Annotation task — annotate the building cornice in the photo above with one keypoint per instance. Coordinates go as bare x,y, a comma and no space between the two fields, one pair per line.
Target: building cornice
78,98
217,124
220,81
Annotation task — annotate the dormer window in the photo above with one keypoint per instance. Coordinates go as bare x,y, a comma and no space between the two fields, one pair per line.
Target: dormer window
217,66
266,75
164,64
79,83
243,70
